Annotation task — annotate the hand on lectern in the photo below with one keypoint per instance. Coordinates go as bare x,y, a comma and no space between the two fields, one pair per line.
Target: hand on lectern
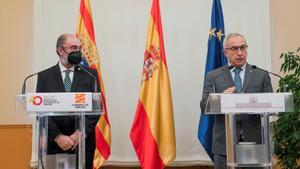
229,90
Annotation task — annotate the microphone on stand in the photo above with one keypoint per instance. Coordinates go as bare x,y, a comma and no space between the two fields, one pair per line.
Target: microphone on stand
274,74
24,82
230,67
75,58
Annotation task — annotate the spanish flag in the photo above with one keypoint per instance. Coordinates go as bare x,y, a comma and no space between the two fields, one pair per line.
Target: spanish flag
152,133
85,31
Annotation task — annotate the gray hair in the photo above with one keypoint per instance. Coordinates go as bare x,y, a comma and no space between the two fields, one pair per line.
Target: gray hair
232,35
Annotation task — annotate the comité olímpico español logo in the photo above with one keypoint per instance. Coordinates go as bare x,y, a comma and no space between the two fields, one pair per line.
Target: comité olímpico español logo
36,100
151,62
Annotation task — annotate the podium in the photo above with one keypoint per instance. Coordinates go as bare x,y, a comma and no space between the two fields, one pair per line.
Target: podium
264,105
46,105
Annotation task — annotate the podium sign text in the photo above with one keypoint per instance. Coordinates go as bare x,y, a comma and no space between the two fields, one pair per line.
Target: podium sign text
263,102
71,102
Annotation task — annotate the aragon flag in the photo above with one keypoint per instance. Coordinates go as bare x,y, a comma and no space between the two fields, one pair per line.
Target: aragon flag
85,32
152,133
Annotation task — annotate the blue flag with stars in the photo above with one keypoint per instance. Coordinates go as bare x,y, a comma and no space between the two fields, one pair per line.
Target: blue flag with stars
215,58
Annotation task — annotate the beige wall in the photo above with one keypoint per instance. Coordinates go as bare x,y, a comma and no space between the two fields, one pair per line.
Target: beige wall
15,51
285,27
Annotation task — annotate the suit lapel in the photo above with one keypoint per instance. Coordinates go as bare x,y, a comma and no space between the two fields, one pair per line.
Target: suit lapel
228,76
247,78
76,78
80,80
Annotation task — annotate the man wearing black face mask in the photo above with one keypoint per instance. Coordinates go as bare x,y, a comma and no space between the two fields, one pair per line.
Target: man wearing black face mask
65,77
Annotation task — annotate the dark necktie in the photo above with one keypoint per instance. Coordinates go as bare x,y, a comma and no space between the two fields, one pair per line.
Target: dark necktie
67,81
237,80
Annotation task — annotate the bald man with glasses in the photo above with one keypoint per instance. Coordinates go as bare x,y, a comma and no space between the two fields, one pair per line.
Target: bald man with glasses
65,77
236,77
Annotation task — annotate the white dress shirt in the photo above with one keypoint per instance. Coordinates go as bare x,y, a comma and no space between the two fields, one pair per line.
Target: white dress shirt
63,72
242,73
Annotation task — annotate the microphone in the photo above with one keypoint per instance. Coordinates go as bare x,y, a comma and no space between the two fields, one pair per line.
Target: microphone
230,67
274,74
255,67
75,58
24,82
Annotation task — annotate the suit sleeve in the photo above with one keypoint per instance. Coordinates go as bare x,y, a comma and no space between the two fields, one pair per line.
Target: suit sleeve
53,130
267,84
40,86
208,88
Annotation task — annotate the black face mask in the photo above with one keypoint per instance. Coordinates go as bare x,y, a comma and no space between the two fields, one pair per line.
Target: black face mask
75,57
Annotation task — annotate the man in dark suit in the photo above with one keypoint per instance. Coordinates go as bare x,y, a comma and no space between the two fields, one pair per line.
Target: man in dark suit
240,79
65,77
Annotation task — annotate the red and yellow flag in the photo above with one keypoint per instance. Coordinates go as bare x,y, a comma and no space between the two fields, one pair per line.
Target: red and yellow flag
85,31
152,133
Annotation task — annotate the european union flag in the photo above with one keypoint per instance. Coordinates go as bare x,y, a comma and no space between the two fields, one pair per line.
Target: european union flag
215,58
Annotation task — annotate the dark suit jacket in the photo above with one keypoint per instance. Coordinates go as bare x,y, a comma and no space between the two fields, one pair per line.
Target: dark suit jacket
50,80
220,79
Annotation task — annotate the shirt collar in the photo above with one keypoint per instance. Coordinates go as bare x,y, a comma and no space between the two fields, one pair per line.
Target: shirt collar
63,69
243,67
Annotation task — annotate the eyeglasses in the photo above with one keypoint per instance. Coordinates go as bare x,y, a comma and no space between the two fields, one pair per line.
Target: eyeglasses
235,49
72,48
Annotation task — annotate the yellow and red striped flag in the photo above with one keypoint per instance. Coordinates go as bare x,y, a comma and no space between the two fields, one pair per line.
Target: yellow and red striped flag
152,133
85,32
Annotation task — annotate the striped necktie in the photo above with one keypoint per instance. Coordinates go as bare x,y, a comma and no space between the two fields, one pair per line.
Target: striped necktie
237,80
67,81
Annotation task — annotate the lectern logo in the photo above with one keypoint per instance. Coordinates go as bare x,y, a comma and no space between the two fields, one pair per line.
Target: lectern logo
253,103
36,100
80,101
79,98
252,100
